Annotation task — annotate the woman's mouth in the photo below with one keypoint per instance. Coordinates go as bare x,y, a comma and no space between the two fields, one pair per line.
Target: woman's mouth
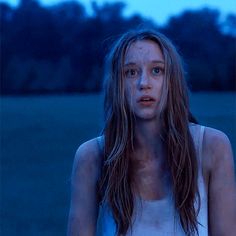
146,100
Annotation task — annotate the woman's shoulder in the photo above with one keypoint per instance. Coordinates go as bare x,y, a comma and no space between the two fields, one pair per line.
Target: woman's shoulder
217,147
216,141
88,155
213,139
90,149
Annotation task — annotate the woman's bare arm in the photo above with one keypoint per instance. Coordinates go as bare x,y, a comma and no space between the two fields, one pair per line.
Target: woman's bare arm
222,188
84,206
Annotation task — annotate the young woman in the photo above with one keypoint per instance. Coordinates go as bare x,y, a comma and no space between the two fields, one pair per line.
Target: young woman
154,171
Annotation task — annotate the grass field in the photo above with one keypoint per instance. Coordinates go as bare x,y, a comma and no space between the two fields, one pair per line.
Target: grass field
39,136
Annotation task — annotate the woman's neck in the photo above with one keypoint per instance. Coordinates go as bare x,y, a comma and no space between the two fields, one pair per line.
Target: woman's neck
148,136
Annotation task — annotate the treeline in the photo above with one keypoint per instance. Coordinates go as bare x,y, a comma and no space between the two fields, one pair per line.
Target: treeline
62,49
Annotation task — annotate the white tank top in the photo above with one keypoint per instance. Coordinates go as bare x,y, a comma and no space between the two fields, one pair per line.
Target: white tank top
158,217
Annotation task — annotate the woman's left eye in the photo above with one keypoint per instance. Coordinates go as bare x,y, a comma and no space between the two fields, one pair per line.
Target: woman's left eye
156,70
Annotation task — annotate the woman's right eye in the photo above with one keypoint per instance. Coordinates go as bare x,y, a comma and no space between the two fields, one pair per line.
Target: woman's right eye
131,73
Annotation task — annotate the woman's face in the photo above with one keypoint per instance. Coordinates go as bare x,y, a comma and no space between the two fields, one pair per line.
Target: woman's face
144,76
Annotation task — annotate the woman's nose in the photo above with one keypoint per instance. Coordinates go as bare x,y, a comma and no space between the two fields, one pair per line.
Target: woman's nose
144,81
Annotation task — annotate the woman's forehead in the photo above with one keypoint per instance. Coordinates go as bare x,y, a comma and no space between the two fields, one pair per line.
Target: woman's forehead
143,51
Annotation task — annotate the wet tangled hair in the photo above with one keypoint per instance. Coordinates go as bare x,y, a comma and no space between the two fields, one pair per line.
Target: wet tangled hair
115,184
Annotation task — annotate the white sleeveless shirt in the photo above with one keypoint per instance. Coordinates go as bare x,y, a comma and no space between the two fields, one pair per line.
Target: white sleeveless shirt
159,217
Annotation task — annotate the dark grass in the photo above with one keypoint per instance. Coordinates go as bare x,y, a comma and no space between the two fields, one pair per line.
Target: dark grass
39,136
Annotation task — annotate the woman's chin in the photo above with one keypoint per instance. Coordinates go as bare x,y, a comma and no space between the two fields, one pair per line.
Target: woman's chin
147,116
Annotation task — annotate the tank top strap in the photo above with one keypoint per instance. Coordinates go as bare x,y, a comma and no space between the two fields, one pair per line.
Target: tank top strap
197,132
203,212
200,141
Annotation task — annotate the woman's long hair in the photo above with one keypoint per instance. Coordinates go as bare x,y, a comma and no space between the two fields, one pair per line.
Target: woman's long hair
115,184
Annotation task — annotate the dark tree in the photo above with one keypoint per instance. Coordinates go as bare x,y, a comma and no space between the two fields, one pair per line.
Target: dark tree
62,49
207,51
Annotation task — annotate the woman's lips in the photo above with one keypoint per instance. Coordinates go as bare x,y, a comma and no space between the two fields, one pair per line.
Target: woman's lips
146,100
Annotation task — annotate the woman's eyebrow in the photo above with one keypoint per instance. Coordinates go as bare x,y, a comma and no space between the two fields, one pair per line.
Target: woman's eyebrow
158,61
130,64
154,62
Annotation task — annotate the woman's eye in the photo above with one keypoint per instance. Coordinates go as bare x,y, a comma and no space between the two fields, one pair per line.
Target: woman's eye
156,70
131,73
